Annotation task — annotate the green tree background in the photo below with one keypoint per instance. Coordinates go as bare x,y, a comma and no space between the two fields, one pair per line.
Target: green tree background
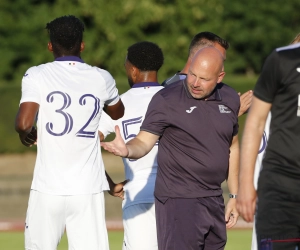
253,29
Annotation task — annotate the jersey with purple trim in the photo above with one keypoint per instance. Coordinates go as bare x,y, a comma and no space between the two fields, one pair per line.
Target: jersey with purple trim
196,135
175,78
141,172
71,95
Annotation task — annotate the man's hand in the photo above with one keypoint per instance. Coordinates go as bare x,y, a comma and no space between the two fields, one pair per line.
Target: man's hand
117,189
245,100
231,213
246,202
117,146
30,138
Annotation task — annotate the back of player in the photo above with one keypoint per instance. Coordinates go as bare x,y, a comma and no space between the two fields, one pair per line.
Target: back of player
66,98
142,63
71,95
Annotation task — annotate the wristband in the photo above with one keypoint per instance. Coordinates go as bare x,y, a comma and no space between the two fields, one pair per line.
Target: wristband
233,196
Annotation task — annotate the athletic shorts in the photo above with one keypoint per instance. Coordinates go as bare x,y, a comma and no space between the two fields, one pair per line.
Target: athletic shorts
140,227
190,224
82,216
278,217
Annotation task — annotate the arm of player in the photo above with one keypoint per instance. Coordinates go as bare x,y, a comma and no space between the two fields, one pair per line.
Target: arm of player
24,123
115,111
245,100
253,131
231,213
135,148
115,189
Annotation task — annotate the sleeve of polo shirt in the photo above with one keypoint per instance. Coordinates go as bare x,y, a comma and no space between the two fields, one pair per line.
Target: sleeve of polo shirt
112,91
106,125
269,79
156,119
30,87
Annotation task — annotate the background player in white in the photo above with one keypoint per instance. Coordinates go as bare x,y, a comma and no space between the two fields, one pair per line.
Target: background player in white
68,95
143,61
258,163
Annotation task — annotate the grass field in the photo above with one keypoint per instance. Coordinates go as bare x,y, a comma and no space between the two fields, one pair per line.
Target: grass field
237,240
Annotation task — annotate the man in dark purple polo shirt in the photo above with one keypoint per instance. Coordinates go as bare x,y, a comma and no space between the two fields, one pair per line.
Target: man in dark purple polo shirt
196,121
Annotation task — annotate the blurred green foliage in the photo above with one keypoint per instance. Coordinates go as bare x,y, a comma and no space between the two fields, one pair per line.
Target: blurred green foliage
253,28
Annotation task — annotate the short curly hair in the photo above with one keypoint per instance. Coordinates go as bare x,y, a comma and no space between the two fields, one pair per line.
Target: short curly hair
66,34
146,56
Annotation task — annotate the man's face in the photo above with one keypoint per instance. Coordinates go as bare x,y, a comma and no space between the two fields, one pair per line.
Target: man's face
202,80
128,67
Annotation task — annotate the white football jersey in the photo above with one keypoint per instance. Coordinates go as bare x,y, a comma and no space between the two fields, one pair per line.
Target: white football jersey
262,149
141,172
71,95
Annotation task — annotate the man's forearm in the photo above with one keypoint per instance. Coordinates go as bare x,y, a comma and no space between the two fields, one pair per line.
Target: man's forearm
233,172
141,145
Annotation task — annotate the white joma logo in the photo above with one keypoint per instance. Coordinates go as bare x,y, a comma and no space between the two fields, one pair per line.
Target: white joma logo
298,69
191,109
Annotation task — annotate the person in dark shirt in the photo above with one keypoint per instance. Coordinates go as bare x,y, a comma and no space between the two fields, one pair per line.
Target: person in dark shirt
202,40
194,157
277,90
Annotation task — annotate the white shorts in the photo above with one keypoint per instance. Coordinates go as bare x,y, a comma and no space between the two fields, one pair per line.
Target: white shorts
140,227
83,217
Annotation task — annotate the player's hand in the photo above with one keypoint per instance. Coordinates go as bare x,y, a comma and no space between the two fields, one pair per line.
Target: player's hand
117,146
246,202
30,138
245,100
117,189
231,213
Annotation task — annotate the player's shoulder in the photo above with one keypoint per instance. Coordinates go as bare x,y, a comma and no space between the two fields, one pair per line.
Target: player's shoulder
104,73
175,78
293,47
35,70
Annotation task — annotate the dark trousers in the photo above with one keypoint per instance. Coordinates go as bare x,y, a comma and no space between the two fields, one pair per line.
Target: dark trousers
190,224
278,212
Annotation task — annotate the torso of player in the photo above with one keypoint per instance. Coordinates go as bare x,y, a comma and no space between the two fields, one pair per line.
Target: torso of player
141,172
72,95
282,153
194,147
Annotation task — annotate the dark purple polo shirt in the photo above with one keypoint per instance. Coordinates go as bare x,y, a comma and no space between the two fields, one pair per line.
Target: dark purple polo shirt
193,153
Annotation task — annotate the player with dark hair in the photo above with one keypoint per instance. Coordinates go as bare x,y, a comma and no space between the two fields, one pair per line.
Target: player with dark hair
196,123
66,35
66,98
143,61
200,41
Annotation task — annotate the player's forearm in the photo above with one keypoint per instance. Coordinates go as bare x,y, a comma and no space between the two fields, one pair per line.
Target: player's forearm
250,145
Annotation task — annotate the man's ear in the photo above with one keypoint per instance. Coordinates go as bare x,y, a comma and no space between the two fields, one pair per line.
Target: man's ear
221,76
135,73
82,46
50,47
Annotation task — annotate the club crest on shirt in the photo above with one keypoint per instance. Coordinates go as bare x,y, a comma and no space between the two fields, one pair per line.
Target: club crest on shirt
224,109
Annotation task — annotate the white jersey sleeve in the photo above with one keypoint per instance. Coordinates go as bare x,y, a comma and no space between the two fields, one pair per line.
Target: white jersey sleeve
113,96
30,87
106,125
